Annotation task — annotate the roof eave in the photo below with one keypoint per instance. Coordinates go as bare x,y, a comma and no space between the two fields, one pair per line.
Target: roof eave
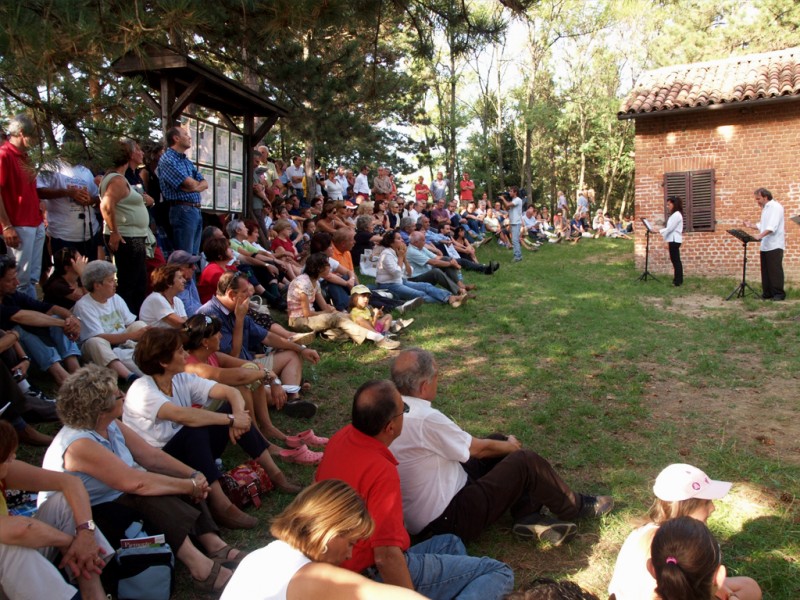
741,104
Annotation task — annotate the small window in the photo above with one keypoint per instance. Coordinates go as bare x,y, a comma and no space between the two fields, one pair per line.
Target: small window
697,190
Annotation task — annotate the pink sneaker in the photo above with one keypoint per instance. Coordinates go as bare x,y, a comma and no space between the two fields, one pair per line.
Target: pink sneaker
301,456
305,437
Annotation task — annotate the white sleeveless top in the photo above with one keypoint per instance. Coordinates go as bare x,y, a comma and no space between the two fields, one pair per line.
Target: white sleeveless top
265,574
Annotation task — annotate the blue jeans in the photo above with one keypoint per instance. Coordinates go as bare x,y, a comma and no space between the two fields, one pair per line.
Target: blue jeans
339,295
46,351
476,226
190,298
187,225
29,258
515,229
441,569
409,290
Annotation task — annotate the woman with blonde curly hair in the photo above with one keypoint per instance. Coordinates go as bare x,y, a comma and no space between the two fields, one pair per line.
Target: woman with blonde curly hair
128,480
315,534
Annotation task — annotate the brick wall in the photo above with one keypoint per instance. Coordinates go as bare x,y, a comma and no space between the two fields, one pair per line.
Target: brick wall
748,148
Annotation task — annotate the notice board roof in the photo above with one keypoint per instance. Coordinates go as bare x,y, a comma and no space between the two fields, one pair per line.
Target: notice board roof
206,86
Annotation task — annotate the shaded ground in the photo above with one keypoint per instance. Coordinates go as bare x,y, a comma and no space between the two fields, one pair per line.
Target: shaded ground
762,418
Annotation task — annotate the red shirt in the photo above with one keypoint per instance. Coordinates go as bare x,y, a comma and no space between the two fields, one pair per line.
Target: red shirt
421,191
207,284
371,469
18,187
467,185
285,244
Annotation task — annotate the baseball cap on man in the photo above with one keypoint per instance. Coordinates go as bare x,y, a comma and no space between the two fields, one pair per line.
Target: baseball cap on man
681,482
182,257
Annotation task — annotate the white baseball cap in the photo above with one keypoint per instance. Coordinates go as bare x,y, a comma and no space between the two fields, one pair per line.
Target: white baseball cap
681,482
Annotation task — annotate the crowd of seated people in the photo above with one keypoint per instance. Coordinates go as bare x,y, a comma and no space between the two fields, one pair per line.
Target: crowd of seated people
188,335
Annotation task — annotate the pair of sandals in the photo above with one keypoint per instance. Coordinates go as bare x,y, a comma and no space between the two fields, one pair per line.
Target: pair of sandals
220,559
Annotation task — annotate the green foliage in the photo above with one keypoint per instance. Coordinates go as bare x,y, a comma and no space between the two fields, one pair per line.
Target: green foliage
380,81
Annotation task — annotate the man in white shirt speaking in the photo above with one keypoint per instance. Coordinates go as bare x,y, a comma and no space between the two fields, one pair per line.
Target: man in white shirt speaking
773,243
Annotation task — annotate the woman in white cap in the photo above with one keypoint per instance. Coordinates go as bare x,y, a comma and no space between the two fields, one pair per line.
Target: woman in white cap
681,491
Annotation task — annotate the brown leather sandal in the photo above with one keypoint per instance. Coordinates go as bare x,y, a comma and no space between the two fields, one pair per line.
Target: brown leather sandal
207,585
222,556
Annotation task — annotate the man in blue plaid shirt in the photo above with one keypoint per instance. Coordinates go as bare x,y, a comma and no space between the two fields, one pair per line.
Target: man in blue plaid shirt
181,185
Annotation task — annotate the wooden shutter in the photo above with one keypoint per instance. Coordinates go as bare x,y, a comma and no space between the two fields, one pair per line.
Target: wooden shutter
702,204
677,184
696,188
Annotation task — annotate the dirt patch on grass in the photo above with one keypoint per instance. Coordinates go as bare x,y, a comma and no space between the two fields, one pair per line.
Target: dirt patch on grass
704,305
762,419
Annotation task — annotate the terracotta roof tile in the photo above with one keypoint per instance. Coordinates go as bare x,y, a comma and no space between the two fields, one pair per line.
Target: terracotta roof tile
736,79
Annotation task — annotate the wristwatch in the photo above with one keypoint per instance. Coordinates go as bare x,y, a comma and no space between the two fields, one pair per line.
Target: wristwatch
89,526
231,420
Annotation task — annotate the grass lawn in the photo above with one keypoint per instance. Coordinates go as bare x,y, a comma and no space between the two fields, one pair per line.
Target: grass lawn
611,379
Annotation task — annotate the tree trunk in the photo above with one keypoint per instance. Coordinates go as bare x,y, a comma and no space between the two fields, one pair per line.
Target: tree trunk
553,178
310,138
501,178
625,198
581,179
281,142
614,169
527,172
451,162
311,177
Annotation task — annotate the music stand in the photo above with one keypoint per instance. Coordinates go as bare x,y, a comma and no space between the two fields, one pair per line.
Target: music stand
742,289
647,274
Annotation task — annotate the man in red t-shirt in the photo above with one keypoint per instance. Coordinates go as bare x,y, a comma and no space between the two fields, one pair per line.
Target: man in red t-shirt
20,215
421,191
467,188
359,455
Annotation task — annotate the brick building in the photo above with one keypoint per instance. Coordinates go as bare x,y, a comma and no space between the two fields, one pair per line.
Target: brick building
712,133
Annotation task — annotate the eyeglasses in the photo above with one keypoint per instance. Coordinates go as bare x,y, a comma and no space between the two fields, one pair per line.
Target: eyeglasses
406,408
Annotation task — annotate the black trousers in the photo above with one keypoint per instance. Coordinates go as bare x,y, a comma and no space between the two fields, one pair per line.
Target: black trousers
521,482
130,259
677,265
772,275
469,265
446,278
198,447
